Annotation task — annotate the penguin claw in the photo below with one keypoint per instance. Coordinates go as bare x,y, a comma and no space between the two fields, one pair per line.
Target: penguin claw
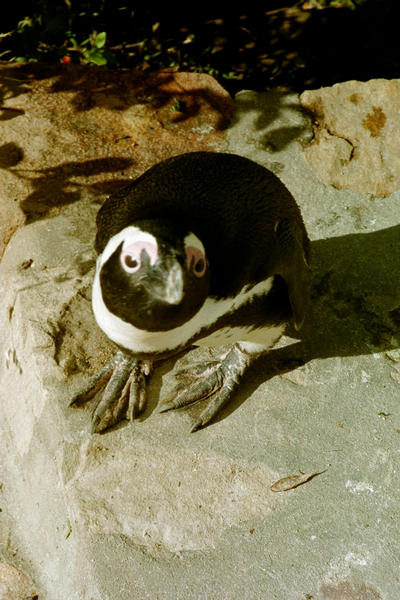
137,390
93,384
194,383
214,406
195,370
215,380
124,395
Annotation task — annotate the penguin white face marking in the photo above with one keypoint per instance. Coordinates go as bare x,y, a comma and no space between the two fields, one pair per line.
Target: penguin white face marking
130,236
131,255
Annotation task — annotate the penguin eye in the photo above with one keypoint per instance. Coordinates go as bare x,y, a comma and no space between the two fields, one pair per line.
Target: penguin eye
131,255
196,261
130,263
199,267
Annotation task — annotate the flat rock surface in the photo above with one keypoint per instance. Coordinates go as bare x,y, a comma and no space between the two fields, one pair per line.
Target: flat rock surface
150,511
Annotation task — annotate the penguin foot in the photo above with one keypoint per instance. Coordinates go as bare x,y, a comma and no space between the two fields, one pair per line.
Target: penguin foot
216,380
125,394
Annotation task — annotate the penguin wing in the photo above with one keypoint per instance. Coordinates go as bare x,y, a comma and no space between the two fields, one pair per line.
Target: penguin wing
293,265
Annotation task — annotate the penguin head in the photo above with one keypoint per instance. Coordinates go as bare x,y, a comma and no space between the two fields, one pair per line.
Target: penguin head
154,275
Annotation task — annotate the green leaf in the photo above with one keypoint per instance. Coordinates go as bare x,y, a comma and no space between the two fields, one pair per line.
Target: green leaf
25,23
96,56
100,39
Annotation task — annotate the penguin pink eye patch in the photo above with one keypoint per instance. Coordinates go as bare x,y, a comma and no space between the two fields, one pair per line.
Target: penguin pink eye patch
131,258
131,255
195,261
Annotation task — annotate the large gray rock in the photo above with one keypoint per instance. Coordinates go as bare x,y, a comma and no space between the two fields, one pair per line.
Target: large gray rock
150,511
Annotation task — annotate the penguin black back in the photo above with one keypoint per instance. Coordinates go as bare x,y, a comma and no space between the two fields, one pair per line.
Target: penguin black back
231,203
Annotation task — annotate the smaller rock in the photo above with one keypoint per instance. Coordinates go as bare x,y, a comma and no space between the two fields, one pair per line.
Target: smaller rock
356,135
394,355
15,585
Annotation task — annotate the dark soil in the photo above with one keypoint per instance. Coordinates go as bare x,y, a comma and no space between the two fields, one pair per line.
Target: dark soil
287,46
277,43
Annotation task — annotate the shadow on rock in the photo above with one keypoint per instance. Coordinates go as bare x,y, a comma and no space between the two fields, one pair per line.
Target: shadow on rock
270,109
355,299
15,80
187,94
10,155
62,185
354,308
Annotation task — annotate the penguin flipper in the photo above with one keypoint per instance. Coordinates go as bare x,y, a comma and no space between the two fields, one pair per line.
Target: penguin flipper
215,379
124,396
293,265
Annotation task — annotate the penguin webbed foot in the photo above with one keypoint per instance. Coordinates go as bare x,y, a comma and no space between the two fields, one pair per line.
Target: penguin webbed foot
125,391
214,379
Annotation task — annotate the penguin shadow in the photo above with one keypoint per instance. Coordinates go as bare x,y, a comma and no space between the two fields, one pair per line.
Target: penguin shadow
354,307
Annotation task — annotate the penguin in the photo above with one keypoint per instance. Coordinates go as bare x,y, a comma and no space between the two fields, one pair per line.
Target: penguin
203,249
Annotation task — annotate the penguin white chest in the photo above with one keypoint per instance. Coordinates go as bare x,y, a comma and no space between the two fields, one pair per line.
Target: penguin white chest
141,341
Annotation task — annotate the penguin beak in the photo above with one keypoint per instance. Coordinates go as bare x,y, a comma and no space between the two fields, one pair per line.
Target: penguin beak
168,286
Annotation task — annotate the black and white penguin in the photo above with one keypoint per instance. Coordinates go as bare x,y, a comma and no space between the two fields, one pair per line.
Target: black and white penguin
203,249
